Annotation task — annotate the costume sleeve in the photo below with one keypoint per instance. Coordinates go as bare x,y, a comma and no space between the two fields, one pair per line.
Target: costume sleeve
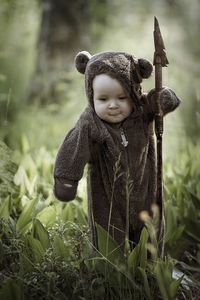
65,190
71,159
168,99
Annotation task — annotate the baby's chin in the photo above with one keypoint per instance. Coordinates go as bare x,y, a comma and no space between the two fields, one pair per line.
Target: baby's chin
113,119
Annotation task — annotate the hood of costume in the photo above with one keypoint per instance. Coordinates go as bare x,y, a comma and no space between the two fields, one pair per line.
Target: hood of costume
124,67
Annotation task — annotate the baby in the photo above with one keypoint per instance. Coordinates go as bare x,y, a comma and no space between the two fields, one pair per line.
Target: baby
115,136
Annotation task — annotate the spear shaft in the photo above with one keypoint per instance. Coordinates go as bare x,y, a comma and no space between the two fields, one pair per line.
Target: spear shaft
160,61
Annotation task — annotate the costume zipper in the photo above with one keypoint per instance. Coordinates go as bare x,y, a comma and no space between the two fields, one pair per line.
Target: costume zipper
124,141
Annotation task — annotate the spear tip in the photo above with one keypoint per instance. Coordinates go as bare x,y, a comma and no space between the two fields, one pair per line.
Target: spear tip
159,45
155,22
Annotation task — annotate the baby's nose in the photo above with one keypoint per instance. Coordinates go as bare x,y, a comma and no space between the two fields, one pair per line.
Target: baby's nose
113,104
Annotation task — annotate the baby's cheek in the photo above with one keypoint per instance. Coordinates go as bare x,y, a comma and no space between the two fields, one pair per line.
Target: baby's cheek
128,111
101,109
100,113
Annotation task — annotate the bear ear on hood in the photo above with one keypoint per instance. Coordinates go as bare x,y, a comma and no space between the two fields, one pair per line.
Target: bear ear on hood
81,61
145,67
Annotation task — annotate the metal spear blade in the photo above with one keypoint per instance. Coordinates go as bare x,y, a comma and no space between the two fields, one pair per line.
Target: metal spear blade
159,54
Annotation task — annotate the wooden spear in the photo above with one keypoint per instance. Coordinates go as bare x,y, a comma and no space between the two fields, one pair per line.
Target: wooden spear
160,60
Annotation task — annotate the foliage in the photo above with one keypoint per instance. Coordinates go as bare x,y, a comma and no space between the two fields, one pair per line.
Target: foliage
19,42
182,191
46,253
7,170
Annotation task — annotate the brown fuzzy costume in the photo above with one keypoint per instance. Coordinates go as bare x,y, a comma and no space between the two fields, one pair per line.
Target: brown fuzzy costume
121,177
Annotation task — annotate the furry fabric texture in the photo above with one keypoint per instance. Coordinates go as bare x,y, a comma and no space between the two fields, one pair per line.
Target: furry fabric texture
121,176
124,67
118,176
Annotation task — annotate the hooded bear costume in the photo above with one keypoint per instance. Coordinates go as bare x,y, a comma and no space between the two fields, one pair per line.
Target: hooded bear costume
121,157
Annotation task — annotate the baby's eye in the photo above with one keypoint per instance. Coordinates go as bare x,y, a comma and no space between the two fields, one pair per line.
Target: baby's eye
102,98
122,97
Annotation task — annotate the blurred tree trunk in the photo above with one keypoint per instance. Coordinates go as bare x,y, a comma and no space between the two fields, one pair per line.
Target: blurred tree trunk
62,30
65,30
61,37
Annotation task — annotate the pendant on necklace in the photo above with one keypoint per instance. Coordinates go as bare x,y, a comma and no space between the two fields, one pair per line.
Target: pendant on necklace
124,140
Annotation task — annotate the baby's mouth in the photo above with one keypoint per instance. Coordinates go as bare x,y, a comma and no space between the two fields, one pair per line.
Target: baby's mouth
114,114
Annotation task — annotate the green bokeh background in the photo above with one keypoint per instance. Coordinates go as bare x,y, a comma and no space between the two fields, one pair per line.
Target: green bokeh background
107,25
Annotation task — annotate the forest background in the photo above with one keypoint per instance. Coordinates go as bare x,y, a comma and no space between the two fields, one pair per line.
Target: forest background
42,96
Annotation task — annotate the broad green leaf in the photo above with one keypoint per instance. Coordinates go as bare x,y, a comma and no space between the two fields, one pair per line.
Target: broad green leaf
161,280
31,184
26,215
163,271
67,213
145,282
27,174
174,286
25,146
74,212
60,249
40,233
171,220
34,247
177,233
133,260
108,247
26,265
1,251
47,216
5,208
21,180
114,276
29,165
194,198
138,256
143,250
11,290
81,219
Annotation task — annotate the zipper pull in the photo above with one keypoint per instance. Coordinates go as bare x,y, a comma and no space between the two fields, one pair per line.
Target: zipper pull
124,140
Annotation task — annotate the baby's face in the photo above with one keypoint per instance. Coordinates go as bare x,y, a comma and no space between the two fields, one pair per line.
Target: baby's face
111,103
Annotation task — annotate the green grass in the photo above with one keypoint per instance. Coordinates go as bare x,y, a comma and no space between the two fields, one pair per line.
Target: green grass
46,253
